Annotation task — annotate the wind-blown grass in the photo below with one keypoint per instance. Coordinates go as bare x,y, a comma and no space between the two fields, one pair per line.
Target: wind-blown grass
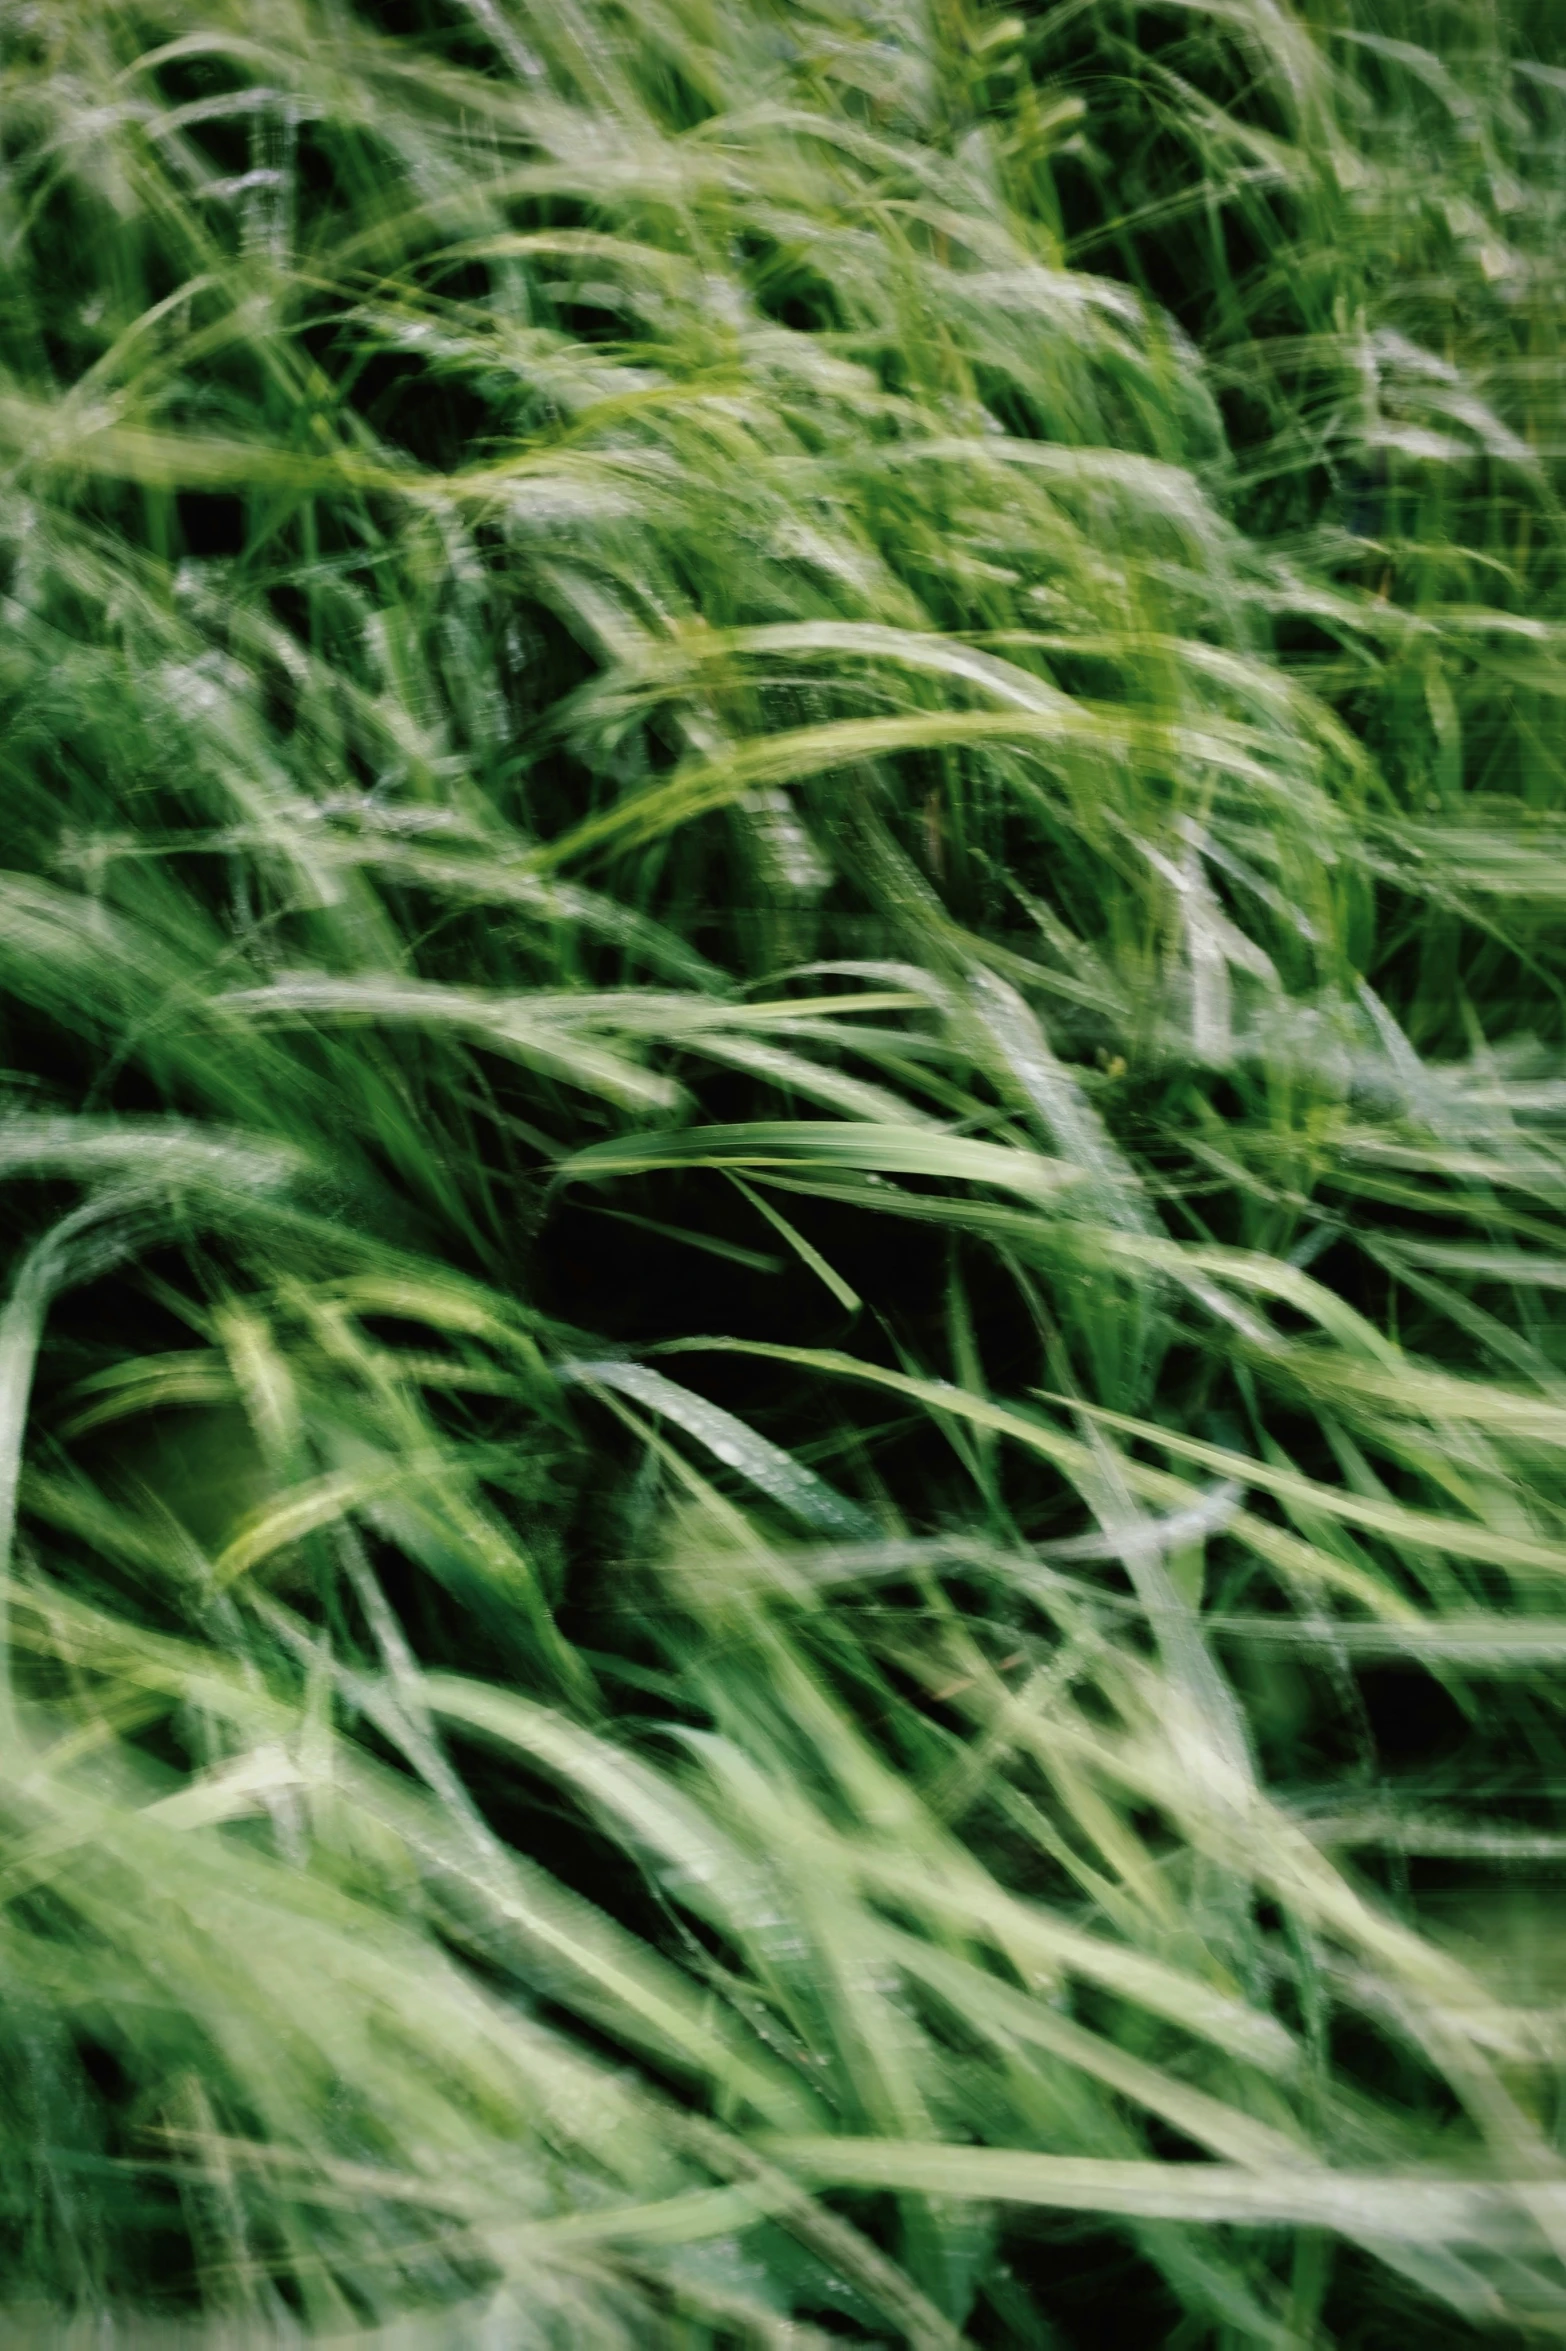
782,1395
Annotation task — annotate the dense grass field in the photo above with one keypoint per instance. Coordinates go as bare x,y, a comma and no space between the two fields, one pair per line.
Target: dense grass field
783,1105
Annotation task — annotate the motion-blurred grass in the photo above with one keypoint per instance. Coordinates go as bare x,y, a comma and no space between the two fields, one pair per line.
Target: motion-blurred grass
783,1395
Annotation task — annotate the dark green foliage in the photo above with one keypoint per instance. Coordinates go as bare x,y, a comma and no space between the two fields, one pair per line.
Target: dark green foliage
782,1395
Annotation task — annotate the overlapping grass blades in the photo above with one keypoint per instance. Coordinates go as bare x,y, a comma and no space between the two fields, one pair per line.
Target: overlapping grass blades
781,1394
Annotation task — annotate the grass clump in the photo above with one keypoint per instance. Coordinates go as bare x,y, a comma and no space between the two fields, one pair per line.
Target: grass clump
782,1403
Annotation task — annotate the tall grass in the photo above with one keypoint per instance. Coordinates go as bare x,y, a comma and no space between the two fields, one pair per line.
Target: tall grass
782,1388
